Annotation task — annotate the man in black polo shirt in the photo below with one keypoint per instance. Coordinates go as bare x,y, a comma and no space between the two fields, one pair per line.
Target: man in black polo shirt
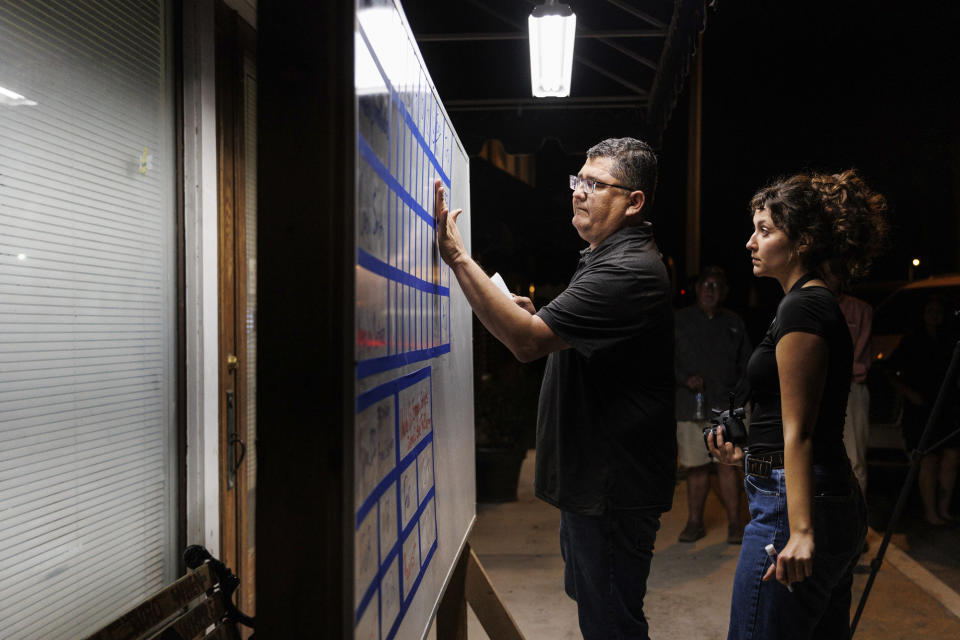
606,433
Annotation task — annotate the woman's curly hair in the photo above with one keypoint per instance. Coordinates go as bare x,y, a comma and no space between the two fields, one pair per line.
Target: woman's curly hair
838,217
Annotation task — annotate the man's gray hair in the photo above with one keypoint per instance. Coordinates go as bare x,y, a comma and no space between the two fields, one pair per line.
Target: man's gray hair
715,272
635,163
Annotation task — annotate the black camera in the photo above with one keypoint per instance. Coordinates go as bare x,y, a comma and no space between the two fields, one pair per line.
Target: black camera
730,424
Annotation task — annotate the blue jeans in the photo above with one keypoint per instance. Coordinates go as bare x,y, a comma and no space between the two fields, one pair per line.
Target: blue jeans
607,561
819,607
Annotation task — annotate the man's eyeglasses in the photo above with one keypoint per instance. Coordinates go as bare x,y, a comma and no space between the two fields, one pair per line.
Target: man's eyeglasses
590,185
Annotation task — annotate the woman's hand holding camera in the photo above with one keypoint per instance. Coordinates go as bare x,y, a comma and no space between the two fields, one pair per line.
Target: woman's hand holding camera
725,452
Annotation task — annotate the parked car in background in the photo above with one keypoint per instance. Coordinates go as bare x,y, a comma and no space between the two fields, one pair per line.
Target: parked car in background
898,314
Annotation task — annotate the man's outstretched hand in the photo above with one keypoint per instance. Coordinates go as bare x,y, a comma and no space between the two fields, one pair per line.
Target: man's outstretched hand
448,235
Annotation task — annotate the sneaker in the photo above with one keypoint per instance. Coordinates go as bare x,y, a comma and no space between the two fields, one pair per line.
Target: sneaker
692,532
734,534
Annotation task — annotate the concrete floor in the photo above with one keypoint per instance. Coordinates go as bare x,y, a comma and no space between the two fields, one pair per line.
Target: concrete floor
937,549
690,584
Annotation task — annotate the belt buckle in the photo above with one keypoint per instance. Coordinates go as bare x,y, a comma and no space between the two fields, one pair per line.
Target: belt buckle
759,467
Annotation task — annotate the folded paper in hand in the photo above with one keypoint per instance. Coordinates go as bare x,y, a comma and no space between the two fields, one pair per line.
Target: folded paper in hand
498,280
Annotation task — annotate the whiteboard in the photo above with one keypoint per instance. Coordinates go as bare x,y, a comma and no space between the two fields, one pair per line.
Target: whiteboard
414,491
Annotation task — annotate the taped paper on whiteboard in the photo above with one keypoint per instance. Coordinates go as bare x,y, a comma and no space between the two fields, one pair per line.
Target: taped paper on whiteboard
365,555
498,280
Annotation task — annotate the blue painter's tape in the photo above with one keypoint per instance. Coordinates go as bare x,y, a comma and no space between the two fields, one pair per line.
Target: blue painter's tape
416,517
365,600
381,268
385,363
390,478
403,110
387,389
368,154
398,545
399,497
424,144
368,595
413,590
422,160
413,521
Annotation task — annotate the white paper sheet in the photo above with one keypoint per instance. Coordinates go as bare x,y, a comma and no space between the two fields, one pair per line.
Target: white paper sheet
498,280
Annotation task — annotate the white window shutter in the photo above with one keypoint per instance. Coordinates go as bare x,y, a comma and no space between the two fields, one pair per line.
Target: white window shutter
87,313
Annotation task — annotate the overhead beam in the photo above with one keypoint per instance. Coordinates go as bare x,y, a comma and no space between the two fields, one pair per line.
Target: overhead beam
637,13
506,104
609,74
523,35
633,55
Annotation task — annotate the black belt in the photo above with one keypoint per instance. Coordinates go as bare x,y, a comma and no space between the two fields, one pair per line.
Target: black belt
762,465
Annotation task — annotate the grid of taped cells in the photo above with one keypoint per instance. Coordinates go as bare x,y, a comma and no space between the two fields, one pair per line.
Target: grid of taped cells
404,143
396,519
402,318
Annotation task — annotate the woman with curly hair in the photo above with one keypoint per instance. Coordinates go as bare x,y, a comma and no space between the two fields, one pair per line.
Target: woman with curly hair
809,229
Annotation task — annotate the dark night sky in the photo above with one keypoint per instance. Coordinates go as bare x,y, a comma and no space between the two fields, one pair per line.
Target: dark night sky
787,86
826,86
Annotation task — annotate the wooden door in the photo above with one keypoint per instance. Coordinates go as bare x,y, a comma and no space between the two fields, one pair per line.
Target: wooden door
236,175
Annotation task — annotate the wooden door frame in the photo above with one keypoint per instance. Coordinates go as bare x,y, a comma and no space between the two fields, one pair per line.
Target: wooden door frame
234,38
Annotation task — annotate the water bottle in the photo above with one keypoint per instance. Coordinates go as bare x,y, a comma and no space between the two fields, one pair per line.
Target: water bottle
698,406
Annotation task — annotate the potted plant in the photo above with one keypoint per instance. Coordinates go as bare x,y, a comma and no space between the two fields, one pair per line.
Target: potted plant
505,408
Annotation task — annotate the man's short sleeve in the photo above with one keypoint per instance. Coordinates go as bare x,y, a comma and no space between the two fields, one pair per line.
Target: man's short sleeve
601,308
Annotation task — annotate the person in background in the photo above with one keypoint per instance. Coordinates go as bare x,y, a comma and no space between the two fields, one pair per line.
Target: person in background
805,503
710,362
856,428
920,362
606,432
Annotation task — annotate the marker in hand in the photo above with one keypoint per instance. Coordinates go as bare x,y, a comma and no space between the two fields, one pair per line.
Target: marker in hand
772,553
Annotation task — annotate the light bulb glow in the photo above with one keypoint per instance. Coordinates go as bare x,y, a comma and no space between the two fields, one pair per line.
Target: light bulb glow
393,50
13,95
551,54
916,262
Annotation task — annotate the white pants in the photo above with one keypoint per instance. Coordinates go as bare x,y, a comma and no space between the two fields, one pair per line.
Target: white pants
856,430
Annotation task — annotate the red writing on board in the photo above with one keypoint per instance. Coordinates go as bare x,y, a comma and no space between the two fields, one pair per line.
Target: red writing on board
411,564
414,416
